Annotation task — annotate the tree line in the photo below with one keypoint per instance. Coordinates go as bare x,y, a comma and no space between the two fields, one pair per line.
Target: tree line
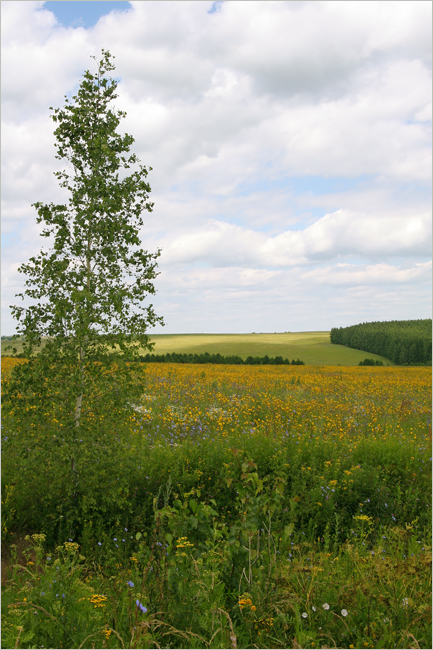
178,357
405,342
370,362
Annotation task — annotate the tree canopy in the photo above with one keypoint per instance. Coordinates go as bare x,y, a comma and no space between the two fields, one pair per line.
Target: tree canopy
96,276
404,342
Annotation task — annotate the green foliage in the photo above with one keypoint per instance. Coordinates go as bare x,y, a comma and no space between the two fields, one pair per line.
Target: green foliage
97,274
86,467
71,399
7,510
168,591
176,357
404,342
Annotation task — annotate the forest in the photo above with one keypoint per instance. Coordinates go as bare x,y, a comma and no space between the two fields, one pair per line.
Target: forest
405,342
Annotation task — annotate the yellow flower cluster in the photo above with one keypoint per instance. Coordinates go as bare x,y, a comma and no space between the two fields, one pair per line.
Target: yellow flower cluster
107,633
39,538
71,547
183,542
263,624
246,602
98,600
363,518
7,363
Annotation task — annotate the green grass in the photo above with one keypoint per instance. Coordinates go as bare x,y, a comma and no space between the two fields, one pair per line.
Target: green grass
10,344
314,348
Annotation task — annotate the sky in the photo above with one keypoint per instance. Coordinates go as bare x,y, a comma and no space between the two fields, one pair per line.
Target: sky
290,146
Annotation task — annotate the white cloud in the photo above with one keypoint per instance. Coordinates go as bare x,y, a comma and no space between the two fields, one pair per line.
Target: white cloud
216,300
377,274
316,47
336,235
290,141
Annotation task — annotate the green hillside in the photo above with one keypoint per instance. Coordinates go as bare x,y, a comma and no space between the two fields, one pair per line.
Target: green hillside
314,348
16,344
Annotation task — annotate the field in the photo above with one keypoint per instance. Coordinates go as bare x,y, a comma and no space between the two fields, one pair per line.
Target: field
234,507
314,348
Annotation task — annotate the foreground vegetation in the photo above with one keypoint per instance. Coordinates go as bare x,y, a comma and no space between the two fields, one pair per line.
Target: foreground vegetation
406,342
233,506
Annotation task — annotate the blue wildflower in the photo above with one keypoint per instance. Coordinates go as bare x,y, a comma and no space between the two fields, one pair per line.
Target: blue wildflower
140,606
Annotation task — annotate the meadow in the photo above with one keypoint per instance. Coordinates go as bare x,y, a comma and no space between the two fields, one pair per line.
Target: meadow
314,348
253,507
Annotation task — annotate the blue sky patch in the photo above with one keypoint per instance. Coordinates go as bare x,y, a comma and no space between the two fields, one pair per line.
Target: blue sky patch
82,13
316,185
216,6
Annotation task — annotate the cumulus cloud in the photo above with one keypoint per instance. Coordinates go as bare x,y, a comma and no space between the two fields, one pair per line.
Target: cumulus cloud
290,144
336,235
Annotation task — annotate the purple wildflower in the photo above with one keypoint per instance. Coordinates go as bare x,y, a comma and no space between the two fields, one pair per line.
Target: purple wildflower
140,606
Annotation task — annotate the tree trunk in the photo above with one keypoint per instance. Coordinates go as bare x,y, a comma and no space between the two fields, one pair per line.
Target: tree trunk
79,401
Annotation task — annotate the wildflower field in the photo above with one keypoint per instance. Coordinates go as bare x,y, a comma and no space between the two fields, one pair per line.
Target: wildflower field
231,507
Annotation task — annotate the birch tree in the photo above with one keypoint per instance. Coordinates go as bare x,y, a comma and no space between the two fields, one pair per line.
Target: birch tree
87,291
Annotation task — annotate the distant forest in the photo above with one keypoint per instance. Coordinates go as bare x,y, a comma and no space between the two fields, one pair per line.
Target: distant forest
176,357
406,342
